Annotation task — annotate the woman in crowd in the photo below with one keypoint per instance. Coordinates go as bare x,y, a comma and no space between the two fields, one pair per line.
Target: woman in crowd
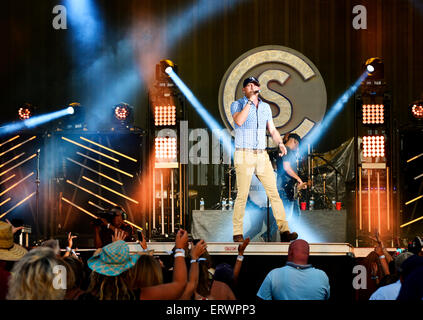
111,277
34,278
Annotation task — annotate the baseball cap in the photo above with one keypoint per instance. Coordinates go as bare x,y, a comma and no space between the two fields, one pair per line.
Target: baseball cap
249,80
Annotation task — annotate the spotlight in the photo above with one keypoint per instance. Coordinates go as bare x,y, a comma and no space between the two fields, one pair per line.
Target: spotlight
70,110
165,148
417,109
168,70
123,113
375,68
25,112
165,115
373,146
373,114
163,69
76,119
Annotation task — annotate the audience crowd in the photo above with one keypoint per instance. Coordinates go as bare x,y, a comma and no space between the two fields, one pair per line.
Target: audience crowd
115,273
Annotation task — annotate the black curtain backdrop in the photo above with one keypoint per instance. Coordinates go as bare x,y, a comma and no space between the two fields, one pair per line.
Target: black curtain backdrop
36,61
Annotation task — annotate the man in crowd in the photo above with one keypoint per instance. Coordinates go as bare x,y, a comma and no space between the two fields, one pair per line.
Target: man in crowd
390,292
297,280
9,252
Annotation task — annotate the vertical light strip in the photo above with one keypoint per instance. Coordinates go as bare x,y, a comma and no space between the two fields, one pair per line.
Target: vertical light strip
154,199
378,201
109,149
369,200
162,199
387,199
17,205
360,209
89,149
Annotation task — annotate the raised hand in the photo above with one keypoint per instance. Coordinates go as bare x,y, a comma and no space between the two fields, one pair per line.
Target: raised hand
14,230
70,240
181,240
119,235
242,246
198,250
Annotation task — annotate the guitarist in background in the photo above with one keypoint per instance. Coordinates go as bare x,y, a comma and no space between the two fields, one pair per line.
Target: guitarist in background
288,180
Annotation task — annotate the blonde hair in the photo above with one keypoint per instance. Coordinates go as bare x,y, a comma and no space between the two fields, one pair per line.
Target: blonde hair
110,287
147,272
32,276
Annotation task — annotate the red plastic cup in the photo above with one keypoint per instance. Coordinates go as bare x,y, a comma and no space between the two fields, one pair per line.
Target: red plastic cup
338,206
303,205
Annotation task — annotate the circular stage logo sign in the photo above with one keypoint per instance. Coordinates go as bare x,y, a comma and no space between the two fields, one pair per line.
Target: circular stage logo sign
290,83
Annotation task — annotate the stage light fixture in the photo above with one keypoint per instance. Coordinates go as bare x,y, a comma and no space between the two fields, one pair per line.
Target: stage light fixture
375,67
373,146
165,148
123,113
416,109
163,69
165,115
25,112
373,114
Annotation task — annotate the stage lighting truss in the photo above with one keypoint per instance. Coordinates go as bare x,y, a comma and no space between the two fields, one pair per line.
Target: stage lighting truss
374,146
165,115
373,114
25,112
417,110
165,149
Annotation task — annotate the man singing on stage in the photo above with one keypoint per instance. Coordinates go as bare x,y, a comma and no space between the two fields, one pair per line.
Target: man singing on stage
252,116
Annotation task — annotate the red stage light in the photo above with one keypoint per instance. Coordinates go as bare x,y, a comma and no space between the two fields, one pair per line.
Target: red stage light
373,146
417,110
121,112
373,114
165,115
24,113
165,148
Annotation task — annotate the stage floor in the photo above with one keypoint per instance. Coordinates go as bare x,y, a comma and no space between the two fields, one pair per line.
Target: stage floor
263,248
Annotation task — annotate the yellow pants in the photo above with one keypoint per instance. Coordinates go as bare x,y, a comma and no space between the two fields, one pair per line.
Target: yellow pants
246,163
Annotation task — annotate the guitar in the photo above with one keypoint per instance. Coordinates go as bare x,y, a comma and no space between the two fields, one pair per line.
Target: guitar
293,188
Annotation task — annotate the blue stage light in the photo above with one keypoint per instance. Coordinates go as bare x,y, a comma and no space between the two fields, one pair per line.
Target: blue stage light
70,110
35,121
205,115
315,135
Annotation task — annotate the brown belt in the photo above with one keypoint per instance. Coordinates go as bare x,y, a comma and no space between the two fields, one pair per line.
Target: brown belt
251,150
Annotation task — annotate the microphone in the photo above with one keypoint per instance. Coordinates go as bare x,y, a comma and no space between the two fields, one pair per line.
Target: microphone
257,91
